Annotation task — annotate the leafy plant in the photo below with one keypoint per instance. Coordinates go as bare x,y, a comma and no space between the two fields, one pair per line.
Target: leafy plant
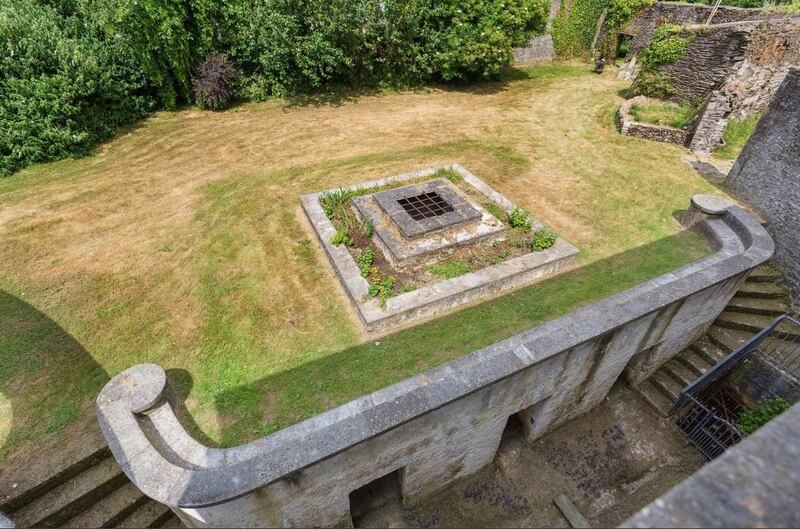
519,218
543,239
214,86
368,227
382,288
341,237
334,201
666,47
752,419
364,261
450,269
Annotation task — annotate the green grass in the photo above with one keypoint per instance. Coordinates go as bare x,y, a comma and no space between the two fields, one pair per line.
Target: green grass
450,269
664,114
736,134
180,243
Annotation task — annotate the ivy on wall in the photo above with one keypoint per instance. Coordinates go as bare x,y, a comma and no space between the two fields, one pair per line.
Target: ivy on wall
667,46
575,25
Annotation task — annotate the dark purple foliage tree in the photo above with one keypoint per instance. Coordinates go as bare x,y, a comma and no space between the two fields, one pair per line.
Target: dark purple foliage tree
214,85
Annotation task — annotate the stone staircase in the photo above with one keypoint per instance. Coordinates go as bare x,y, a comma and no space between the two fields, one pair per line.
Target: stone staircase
759,301
92,492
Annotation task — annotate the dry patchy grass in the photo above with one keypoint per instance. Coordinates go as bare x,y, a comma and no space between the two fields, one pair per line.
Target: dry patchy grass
179,243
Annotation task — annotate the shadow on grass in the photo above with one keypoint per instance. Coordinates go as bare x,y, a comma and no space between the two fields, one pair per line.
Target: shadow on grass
282,399
45,374
338,96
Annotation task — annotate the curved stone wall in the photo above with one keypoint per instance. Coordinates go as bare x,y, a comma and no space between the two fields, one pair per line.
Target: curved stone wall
439,426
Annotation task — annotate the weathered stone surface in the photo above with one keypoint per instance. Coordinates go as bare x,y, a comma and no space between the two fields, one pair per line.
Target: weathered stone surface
647,131
540,48
434,428
767,176
754,484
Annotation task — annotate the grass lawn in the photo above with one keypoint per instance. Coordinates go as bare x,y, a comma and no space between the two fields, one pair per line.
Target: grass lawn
677,116
181,243
736,134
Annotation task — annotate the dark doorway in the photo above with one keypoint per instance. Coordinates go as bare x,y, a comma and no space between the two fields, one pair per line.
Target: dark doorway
375,495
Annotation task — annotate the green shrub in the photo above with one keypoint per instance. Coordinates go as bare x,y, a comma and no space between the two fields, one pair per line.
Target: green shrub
382,288
543,239
364,261
64,86
519,218
666,47
450,269
341,237
752,419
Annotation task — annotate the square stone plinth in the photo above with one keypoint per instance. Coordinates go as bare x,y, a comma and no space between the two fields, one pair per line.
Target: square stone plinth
436,298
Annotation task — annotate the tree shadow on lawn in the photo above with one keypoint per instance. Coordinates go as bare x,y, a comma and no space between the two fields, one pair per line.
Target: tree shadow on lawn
279,400
46,377
339,96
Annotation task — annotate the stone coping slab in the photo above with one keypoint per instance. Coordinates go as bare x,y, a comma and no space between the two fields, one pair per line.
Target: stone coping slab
167,464
446,294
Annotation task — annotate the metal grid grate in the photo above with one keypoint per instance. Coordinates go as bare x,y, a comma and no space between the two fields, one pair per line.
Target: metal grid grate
425,206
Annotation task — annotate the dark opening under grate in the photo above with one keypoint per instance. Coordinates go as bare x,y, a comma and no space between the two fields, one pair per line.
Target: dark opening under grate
425,206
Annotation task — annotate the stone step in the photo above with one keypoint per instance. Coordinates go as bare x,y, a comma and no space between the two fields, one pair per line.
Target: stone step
709,350
172,521
653,396
150,514
752,323
680,373
47,483
112,509
693,362
764,274
751,289
766,307
667,385
72,497
728,339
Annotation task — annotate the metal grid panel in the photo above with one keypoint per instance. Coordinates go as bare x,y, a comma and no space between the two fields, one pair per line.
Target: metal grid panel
425,206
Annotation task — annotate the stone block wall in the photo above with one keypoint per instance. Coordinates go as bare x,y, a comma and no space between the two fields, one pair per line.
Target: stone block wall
540,48
437,427
767,176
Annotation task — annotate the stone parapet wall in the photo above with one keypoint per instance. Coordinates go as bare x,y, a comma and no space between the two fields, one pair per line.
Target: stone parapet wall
647,131
437,427
767,176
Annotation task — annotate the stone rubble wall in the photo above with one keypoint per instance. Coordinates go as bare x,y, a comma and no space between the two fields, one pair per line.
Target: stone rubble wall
437,427
644,24
767,176
648,131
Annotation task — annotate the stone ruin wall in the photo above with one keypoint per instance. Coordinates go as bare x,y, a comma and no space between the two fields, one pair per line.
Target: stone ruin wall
437,427
773,47
644,24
